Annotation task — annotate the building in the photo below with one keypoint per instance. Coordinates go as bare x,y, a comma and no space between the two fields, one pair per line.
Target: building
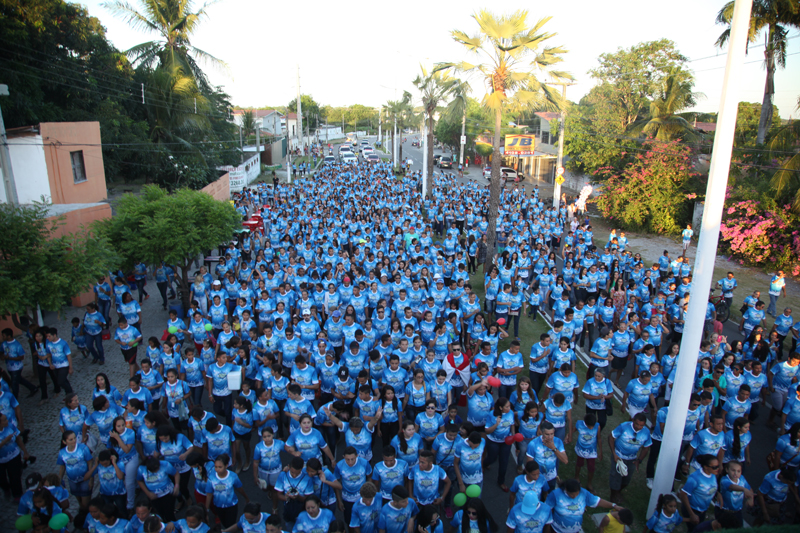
60,163
541,127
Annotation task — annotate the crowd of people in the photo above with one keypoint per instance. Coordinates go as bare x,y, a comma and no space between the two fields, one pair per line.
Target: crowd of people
344,357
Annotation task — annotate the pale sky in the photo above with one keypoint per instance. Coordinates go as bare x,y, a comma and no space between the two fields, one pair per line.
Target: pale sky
368,52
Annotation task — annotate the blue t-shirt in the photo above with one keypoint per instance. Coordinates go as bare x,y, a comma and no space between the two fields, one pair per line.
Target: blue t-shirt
75,462
223,488
628,441
218,443
366,516
522,486
320,524
352,477
426,483
700,489
534,522
390,477
661,523
732,500
309,444
470,462
158,482
544,456
393,520
773,488
568,512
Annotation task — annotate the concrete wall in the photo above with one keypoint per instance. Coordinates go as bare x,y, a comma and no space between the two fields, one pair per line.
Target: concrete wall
243,175
220,189
30,169
62,138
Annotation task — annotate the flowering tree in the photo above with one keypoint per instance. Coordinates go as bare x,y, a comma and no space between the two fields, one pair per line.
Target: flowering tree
763,234
653,193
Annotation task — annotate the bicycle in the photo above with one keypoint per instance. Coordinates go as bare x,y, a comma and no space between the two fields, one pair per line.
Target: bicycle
721,306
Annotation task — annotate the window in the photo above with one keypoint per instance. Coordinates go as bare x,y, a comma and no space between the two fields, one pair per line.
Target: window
78,168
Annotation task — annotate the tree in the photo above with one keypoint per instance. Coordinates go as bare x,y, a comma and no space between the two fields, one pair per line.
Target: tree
747,121
175,228
653,192
174,22
41,266
663,122
310,109
783,148
777,17
635,76
249,124
512,55
399,110
434,88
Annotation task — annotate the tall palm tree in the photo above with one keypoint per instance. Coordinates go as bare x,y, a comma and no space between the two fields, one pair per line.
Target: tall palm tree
175,22
776,17
249,123
663,122
434,88
458,109
512,55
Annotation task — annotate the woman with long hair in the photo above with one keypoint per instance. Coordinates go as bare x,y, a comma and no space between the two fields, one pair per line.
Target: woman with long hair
473,517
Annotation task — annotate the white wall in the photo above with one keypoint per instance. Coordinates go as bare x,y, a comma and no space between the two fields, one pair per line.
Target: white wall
243,175
272,124
30,170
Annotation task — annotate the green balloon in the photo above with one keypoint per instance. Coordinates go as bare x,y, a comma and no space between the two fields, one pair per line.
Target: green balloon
460,499
135,345
59,521
208,327
474,491
24,522
172,329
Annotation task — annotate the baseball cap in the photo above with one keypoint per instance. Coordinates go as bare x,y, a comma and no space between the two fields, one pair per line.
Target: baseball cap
530,502
336,314
216,282
306,312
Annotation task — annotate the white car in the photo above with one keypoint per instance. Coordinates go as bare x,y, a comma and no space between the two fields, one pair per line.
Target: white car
345,148
329,160
365,151
348,158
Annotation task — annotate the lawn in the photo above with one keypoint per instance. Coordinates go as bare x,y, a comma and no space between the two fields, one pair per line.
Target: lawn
636,495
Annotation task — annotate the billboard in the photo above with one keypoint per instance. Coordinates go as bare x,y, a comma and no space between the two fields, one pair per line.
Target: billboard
516,145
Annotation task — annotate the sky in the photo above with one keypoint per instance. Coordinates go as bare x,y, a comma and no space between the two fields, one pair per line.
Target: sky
368,52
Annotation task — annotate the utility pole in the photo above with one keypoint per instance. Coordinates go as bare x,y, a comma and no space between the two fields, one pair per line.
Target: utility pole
462,140
395,143
560,160
424,157
706,254
5,159
380,117
299,112
241,143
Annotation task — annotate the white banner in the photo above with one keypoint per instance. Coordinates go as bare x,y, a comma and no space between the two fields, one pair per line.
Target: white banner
243,175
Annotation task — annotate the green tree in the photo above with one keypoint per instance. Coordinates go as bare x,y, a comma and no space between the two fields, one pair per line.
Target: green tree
249,124
434,88
40,266
156,226
312,113
399,110
175,23
663,122
747,121
775,18
635,76
783,148
512,53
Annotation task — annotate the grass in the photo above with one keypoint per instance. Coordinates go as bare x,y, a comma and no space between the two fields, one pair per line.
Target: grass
636,495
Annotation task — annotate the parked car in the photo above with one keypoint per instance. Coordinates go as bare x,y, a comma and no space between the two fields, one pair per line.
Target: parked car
445,162
436,158
487,172
509,174
344,148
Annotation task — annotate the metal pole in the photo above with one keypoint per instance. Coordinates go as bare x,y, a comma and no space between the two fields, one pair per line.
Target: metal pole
299,111
5,159
380,115
706,255
463,129
395,143
556,185
424,158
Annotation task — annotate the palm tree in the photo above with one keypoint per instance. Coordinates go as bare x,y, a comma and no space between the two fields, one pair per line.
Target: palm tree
249,123
458,108
663,122
435,87
776,16
175,22
787,179
511,55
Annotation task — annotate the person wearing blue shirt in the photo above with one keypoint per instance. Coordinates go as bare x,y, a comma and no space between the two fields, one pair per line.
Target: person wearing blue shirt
390,473
709,441
699,490
351,472
547,450
61,358
666,517
539,359
508,365
156,480
569,504
735,490
73,460
774,491
426,478
307,442
780,379
467,463
531,480
221,489
292,487
367,510
629,443
218,391
215,439
194,521
396,516
530,515
314,519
